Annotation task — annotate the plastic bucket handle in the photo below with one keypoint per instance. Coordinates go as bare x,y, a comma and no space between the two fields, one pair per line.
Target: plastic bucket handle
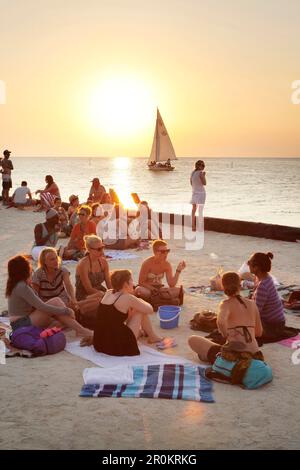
169,319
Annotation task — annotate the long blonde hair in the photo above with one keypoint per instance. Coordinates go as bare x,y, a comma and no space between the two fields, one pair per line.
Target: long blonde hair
43,254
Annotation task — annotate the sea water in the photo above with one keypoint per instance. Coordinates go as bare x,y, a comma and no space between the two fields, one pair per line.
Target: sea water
254,189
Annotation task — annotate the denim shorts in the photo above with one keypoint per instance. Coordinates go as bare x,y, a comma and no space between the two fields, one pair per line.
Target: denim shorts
23,321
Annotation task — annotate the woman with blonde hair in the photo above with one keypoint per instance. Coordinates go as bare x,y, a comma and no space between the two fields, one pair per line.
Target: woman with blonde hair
51,279
120,318
91,272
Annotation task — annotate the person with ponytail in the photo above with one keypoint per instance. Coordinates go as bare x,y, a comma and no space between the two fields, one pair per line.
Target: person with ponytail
238,322
266,297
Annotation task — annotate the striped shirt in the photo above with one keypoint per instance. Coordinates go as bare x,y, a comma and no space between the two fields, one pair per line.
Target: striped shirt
268,301
49,289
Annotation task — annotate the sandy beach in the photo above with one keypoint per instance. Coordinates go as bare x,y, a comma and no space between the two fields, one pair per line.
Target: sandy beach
40,403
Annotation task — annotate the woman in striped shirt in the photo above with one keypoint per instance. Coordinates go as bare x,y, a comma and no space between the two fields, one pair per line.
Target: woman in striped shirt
266,296
53,280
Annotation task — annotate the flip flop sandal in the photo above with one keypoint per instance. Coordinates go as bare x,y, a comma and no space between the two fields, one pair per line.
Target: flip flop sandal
166,343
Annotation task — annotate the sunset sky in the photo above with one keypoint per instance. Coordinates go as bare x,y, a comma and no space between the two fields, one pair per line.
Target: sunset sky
84,77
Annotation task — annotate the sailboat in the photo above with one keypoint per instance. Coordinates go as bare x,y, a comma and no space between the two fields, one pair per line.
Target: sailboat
162,151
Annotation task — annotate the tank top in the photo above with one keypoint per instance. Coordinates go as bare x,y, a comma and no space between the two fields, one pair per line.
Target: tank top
96,280
196,182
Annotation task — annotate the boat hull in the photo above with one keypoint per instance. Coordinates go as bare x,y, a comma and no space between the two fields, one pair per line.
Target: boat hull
161,168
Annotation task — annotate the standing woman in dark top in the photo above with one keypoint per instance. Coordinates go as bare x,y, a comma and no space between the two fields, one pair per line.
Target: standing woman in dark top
120,318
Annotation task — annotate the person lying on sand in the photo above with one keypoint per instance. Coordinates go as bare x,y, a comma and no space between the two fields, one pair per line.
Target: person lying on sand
121,316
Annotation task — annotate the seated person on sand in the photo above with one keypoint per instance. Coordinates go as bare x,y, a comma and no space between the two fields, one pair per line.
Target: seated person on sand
269,304
148,222
73,210
75,248
62,215
96,191
46,233
25,308
238,322
48,194
22,197
91,272
114,232
121,317
98,213
153,271
51,279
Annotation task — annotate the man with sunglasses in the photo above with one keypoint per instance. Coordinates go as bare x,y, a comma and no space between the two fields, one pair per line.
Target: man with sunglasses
152,273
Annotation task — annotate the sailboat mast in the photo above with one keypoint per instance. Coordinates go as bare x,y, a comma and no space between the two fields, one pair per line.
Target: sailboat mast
157,139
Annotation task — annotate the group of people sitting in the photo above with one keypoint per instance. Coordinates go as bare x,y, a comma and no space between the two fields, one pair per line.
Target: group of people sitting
117,312
88,219
113,316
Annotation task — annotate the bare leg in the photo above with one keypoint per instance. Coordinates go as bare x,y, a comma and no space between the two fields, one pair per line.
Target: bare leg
201,346
194,209
148,328
44,320
143,293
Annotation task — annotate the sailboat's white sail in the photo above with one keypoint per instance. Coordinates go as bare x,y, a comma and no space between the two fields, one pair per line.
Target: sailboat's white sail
162,148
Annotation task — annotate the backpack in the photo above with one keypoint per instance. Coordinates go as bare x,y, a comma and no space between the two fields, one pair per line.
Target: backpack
204,321
257,374
30,339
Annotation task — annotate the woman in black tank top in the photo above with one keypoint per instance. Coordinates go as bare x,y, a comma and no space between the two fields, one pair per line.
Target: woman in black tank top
120,317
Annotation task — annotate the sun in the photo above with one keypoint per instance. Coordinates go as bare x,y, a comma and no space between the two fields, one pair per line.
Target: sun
121,106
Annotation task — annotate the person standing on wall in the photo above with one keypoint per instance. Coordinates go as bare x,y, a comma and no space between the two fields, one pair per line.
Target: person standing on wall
198,183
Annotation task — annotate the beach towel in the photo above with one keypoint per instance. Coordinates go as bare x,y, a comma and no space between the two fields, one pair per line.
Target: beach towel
113,255
112,375
147,356
289,342
172,381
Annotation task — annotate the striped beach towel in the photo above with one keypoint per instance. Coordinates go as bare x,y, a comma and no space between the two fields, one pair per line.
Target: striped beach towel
172,381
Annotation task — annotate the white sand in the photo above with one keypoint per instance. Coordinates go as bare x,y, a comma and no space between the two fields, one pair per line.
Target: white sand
41,409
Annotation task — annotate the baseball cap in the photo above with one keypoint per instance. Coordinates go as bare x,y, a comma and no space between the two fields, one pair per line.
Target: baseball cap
6,152
95,180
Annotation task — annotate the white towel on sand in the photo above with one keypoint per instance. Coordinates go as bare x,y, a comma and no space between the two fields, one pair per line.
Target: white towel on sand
148,356
110,375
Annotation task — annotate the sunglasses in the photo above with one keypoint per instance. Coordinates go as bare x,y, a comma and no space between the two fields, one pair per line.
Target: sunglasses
82,213
100,248
164,251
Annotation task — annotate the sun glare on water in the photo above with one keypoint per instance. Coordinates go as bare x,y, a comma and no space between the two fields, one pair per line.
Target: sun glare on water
121,181
121,106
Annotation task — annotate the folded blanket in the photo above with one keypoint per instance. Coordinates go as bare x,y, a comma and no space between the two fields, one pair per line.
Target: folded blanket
112,375
148,356
172,381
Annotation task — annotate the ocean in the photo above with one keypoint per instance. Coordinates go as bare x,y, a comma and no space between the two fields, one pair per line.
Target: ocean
254,189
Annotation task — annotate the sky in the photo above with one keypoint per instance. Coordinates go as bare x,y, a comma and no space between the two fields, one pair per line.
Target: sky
84,77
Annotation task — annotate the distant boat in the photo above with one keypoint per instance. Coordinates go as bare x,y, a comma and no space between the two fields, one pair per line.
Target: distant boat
162,151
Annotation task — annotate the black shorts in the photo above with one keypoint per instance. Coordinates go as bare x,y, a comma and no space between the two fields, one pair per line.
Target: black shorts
6,185
23,321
